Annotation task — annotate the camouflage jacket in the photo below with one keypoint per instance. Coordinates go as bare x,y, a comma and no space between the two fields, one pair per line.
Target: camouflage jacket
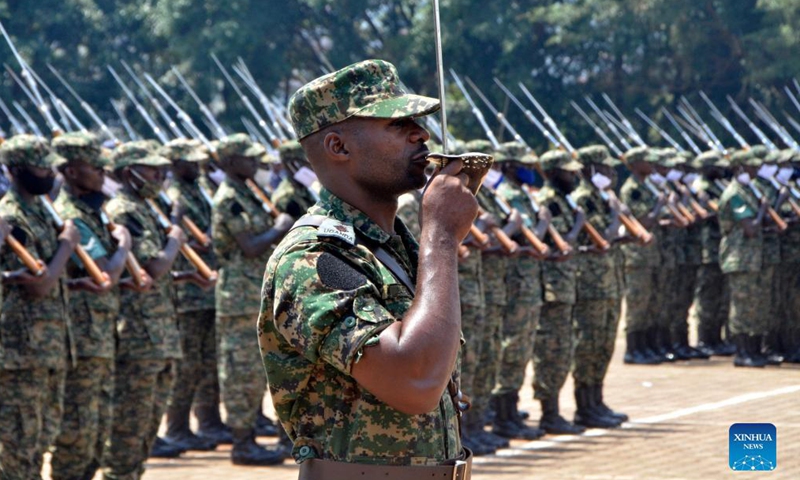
772,239
237,210
737,252
93,316
34,331
640,200
408,211
596,276
710,235
489,205
188,296
558,278
147,327
692,246
292,197
325,298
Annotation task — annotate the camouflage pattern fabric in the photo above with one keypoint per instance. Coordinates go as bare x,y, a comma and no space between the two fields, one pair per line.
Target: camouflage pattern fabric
196,372
642,298
771,239
241,385
370,88
141,389
495,294
771,261
737,252
473,317
552,350
147,327
237,210
28,150
595,325
239,144
711,300
292,197
746,311
86,420
313,326
710,235
635,194
188,296
558,278
408,211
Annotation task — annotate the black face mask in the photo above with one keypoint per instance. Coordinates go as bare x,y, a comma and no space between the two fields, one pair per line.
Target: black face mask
33,184
95,200
565,186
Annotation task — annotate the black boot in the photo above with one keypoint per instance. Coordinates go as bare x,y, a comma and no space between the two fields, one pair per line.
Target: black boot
285,444
552,422
247,452
265,427
585,415
211,426
508,423
635,352
770,349
599,404
162,449
745,346
180,435
708,340
470,436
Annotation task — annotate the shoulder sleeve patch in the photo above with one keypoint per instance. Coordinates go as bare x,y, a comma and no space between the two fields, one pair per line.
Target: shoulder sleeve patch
338,274
334,228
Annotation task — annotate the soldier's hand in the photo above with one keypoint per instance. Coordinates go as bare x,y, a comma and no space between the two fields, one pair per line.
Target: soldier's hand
488,219
201,282
144,285
447,204
580,216
70,233
515,219
283,222
122,236
545,215
23,276
177,233
86,284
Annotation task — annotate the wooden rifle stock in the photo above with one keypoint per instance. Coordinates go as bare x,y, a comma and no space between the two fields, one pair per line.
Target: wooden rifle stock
265,201
595,236
635,228
131,264
685,213
779,222
188,224
713,205
98,276
25,256
188,252
505,242
538,245
795,207
479,236
558,240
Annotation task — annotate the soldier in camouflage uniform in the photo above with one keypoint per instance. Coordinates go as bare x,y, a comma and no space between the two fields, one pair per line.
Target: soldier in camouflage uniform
196,372
351,383
741,218
524,286
148,340
641,261
291,196
598,290
790,265
244,234
552,349
711,297
93,311
34,325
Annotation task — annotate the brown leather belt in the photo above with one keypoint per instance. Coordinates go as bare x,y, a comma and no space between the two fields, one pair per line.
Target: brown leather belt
316,469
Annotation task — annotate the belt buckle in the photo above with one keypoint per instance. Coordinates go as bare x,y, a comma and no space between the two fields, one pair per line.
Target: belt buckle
459,470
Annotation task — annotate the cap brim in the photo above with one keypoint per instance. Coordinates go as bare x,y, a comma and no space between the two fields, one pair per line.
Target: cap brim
572,166
611,162
407,105
151,161
254,150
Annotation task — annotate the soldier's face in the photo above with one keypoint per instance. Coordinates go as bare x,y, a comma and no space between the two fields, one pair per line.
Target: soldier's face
84,176
243,167
188,171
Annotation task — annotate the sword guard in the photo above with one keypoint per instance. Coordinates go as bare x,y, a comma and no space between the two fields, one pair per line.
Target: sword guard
475,165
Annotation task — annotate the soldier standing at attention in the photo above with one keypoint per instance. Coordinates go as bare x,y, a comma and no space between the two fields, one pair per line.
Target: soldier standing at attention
244,234
35,324
360,326
552,349
93,311
291,196
196,371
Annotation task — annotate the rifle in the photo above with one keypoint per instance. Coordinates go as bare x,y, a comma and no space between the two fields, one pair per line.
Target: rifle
277,125
773,123
30,262
760,134
600,133
528,114
498,115
86,107
779,222
625,123
188,252
606,118
132,134
558,240
176,131
14,121
135,270
476,111
673,210
187,222
162,137
719,117
538,245
702,124
203,108
547,120
680,130
31,124
661,132
691,125
99,277
63,110
188,123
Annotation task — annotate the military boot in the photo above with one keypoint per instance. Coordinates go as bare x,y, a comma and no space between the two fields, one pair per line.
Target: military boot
597,401
285,444
508,423
661,344
552,422
635,352
745,347
585,415
469,435
771,350
247,452
180,435
708,340
162,449
211,426
265,426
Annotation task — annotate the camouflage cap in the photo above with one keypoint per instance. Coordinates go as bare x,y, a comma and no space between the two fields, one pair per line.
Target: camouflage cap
553,159
744,158
772,157
370,88
28,150
711,158
80,146
597,154
137,153
239,144
516,152
187,150
292,151
457,147
759,151
636,154
786,155
484,146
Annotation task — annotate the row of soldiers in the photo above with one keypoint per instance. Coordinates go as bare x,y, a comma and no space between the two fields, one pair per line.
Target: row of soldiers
89,364
562,308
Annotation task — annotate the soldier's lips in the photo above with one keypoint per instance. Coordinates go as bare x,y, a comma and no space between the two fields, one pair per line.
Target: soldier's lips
421,157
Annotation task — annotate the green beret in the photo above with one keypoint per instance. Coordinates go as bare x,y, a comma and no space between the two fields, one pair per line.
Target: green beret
184,149
553,159
370,88
636,154
28,150
239,144
137,153
292,151
80,146
596,154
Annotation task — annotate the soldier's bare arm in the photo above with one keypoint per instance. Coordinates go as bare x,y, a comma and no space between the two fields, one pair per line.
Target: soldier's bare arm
255,244
68,239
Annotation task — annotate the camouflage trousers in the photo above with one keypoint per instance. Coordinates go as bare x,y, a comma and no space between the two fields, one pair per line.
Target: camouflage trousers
641,298
711,301
86,421
494,288
748,301
790,283
774,312
684,281
521,317
31,403
667,289
196,373
552,350
141,390
241,377
470,287
595,325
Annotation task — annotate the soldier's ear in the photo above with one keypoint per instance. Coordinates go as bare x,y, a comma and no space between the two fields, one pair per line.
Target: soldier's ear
333,144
